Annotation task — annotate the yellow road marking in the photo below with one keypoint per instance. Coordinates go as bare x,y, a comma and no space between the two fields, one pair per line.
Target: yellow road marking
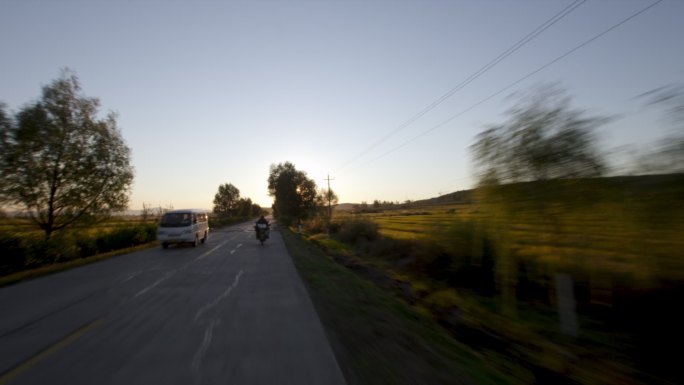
59,345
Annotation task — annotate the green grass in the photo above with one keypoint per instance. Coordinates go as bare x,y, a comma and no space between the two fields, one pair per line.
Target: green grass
377,338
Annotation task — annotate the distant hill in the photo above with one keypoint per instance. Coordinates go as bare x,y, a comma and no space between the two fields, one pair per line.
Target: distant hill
629,184
345,206
461,196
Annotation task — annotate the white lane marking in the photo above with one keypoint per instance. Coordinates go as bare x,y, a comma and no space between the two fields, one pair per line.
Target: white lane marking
208,335
173,272
223,295
157,282
51,350
133,275
235,249
214,249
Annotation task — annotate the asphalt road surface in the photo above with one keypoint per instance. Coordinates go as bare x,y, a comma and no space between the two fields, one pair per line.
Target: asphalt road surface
227,312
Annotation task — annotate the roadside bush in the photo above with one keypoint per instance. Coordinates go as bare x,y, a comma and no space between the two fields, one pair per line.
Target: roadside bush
399,251
146,233
433,261
444,298
12,254
22,251
328,244
316,225
61,247
87,246
126,237
353,231
216,221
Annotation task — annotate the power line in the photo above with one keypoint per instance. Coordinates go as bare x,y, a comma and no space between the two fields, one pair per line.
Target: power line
513,84
536,32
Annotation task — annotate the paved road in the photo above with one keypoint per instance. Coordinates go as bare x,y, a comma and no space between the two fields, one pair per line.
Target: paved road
227,312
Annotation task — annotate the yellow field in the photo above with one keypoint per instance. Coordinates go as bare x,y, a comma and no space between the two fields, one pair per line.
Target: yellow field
615,238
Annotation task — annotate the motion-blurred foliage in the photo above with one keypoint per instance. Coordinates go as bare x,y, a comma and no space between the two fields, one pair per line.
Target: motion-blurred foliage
489,272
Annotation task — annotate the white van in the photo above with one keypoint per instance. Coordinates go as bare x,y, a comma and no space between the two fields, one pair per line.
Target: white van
183,226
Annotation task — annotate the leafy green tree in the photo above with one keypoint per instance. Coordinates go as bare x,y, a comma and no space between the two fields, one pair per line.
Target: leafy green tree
60,162
227,200
294,193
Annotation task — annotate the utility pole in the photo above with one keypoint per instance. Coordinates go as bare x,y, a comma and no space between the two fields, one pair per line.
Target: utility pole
329,202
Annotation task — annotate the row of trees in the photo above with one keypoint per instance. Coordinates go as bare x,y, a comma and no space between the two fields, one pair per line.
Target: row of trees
228,203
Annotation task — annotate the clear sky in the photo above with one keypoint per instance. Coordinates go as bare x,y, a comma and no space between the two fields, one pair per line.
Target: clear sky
213,92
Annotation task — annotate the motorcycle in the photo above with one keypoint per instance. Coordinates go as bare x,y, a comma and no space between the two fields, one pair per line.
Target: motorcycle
262,232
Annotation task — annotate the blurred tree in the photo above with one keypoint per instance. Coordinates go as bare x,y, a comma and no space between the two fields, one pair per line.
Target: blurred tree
60,162
669,157
543,139
294,193
227,200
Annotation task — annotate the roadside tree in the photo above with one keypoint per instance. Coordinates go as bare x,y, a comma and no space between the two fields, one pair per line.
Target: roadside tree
227,200
246,208
60,162
543,140
294,193
669,156
326,200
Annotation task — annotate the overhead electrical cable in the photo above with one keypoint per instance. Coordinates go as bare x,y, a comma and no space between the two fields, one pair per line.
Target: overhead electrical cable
536,32
585,43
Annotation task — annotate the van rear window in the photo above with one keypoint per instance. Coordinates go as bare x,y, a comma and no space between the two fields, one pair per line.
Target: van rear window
176,220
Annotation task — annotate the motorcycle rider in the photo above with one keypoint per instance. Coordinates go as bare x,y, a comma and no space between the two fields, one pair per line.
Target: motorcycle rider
261,221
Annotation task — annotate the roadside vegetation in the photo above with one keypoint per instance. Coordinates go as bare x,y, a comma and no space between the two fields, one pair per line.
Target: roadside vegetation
378,338
577,290
25,253
230,207
24,248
